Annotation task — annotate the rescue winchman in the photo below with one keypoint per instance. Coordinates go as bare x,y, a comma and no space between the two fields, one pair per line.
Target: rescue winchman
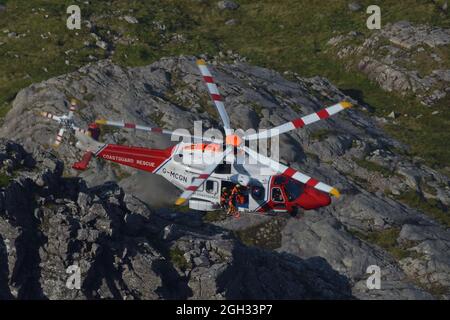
224,198
236,198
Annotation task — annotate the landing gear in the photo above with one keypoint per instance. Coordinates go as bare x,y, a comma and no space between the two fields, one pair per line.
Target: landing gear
296,213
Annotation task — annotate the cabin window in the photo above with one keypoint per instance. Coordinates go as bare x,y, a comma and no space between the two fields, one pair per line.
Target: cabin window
279,180
293,190
224,168
211,186
201,188
277,195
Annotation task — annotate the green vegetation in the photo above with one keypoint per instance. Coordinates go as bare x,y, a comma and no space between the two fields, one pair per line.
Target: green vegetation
374,167
387,239
156,118
434,208
119,171
5,180
177,258
321,134
266,235
214,216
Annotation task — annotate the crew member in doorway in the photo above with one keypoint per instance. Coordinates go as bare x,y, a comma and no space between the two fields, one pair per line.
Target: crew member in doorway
225,198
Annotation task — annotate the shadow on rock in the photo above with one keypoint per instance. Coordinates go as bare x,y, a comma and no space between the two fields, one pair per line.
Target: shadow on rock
259,274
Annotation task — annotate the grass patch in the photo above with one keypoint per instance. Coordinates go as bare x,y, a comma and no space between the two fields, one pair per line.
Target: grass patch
266,235
374,167
387,239
177,258
214,216
321,134
156,118
432,207
5,180
119,171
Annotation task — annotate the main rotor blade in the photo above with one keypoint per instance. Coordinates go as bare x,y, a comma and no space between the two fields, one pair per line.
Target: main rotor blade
215,95
198,181
121,124
294,174
300,122
59,137
50,116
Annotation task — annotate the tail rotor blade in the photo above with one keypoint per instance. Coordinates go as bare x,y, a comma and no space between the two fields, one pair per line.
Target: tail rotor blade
50,116
72,108
59,137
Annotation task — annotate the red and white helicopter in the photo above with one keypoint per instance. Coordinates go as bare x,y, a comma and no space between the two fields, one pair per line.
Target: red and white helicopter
276,188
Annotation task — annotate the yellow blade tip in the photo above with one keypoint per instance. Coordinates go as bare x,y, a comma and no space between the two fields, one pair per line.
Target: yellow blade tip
101,121
180,201
335,192
346,104
201,62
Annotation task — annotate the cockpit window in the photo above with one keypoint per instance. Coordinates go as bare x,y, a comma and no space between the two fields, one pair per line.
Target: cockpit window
293,190
279,180
277,195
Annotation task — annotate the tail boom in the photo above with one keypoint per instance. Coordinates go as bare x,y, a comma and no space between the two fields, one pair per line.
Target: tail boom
136,157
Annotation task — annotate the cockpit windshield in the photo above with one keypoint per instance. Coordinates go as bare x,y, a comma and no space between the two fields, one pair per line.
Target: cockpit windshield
293,190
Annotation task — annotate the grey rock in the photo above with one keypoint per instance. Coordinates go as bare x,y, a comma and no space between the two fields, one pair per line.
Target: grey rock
131,19
102,44
354,6
231,22
227,5
392,65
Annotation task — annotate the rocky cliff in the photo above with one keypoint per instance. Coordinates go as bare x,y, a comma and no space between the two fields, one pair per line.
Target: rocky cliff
393,211
401,57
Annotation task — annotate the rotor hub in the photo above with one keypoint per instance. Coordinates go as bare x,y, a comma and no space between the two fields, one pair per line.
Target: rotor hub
233,140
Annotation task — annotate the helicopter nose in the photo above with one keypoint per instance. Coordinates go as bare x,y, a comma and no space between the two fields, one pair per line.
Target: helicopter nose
313,199
322,199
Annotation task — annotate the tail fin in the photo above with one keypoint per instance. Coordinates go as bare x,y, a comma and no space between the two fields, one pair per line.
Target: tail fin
83,164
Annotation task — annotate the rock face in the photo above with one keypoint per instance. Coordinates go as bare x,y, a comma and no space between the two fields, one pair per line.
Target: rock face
126,251
367,226
401,57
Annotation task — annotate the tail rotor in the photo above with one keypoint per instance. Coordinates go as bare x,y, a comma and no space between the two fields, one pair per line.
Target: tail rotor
66,122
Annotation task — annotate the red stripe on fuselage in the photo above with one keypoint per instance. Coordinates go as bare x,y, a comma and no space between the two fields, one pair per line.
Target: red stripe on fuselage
216,97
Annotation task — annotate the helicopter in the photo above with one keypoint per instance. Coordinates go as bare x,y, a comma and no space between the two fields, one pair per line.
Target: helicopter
266,185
